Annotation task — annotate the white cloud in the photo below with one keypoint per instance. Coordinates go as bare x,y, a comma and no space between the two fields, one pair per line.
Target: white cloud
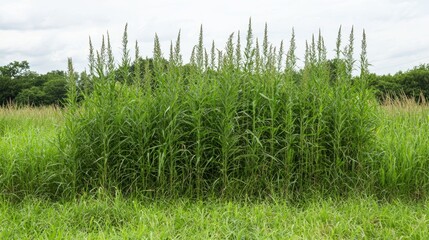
46,32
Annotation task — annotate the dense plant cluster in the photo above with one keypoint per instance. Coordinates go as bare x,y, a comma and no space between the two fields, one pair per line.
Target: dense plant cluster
243,121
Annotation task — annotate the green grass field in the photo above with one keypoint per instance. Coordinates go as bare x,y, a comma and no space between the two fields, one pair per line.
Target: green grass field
87,218
32,172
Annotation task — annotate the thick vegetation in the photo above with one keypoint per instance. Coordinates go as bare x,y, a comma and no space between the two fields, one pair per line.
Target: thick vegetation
19,85
413,83
233,123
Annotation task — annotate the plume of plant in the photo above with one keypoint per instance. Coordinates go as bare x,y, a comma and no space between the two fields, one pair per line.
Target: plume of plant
229,52
323,70
137,66
265,46
193,60
126,60
220,59
157,56
206,59
291,58
91,59
313,51
110,58
87,80
307,64
175,70
238,52
200,50
271,59
258,61
340,67
364,64
71,85
348,54
101,60
177,57
249,51
321,51
213,56
338,44
280,57
171,55
312,57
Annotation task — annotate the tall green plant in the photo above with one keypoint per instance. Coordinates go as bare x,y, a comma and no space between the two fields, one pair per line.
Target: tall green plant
246,125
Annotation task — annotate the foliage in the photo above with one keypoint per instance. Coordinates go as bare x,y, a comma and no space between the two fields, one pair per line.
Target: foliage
15,69
32,96
55,90
413,83
228,128
19,84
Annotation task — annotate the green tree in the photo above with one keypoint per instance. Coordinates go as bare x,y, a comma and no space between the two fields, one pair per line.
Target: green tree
33,96
412,83
54,87
415,82
55,90
15,69
15,77
8,90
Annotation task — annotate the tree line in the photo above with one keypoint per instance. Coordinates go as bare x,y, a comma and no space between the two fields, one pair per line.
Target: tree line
413,83
19,85
22,86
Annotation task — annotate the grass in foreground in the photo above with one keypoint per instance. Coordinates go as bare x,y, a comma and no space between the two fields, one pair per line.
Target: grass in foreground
116,218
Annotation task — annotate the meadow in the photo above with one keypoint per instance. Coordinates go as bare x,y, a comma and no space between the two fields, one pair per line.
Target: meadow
239,143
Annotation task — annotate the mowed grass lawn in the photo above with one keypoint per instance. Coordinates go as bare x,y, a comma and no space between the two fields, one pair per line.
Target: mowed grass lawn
28,154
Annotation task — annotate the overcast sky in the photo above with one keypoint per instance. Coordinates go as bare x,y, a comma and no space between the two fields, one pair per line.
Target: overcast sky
46,32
